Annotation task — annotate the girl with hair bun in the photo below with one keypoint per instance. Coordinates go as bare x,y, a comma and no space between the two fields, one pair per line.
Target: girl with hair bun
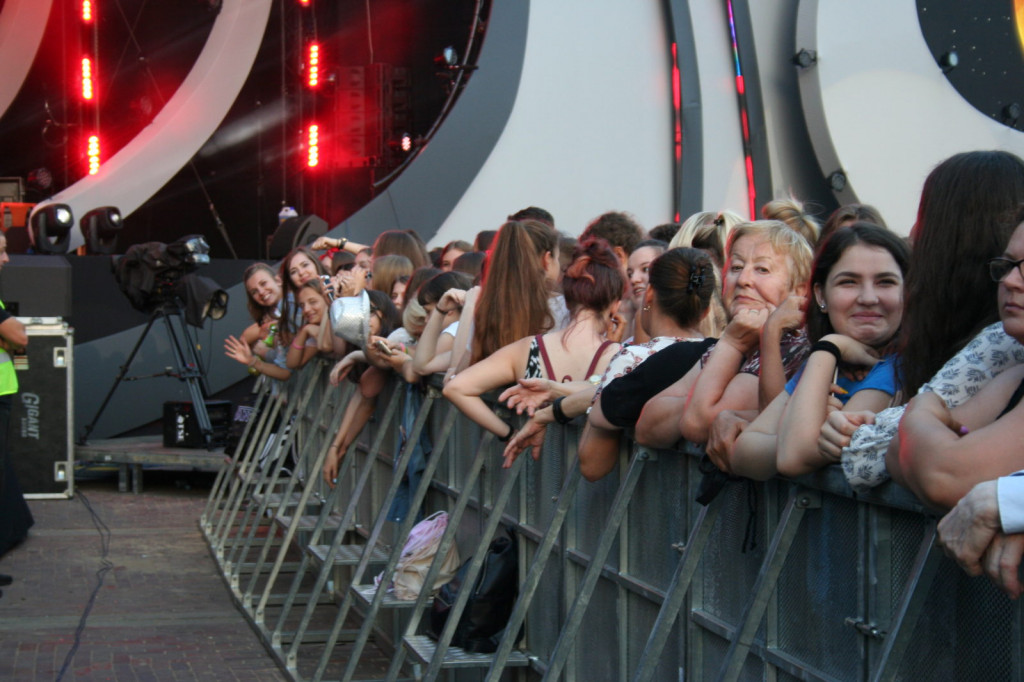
681,285
791,211
593,285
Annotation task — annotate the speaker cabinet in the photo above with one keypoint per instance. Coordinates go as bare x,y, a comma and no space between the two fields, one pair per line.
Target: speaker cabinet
37,286
181,426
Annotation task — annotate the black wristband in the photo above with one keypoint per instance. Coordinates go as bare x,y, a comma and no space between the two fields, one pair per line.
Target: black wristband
556,408
828,347
511,431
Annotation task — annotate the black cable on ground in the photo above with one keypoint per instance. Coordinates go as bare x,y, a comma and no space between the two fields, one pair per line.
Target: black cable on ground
101,574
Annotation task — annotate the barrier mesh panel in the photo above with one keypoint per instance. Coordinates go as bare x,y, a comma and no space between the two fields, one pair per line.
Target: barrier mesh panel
601,624
658,510
906,534
820,587
641,616
727,572
545,616
966,632
714,651
593,500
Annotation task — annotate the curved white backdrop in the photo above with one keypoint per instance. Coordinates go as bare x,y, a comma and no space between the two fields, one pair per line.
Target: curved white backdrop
591,129
883,110
22,23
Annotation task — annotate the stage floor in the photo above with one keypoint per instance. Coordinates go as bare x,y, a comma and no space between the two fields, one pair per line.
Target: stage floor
133,454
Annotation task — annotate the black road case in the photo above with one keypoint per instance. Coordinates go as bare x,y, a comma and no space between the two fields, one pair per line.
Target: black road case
42,421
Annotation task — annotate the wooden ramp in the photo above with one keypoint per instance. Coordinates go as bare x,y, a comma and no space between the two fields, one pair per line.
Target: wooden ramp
130,454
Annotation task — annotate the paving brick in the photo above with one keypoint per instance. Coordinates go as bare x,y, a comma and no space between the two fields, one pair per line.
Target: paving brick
163,612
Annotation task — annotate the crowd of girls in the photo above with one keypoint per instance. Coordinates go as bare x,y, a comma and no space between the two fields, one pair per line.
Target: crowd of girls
783,345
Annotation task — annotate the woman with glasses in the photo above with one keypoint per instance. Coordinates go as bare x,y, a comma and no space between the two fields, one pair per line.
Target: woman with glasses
943,452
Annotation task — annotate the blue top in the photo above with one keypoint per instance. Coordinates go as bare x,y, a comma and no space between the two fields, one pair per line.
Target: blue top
882,377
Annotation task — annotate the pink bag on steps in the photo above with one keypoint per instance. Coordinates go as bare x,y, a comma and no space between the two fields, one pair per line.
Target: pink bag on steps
418,554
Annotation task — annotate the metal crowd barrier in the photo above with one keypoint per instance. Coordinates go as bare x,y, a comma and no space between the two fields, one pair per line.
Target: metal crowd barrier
627,578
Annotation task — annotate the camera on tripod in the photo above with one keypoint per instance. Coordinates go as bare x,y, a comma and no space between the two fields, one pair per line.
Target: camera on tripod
153,275
160,279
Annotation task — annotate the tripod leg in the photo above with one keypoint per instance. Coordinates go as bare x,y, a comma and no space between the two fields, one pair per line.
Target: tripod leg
117,382
190,371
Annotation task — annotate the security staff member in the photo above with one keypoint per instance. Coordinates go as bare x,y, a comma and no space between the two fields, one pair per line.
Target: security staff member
15,517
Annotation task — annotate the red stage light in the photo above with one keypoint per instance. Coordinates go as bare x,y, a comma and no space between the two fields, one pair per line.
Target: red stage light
87,90
92,151
313,65
313,146
86,11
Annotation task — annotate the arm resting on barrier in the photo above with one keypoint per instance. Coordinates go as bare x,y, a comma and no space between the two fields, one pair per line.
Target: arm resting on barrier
754,453
812,401
938,463
720,386
658,425
499,369
599,446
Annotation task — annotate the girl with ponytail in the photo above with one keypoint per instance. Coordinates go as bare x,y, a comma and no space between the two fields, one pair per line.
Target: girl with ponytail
593,286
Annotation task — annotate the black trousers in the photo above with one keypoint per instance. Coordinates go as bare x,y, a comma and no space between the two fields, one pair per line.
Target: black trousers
15,516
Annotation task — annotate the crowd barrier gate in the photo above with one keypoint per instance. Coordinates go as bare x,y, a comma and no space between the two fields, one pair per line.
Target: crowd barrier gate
624,579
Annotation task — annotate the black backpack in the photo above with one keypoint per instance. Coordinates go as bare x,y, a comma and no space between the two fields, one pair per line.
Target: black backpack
490,603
